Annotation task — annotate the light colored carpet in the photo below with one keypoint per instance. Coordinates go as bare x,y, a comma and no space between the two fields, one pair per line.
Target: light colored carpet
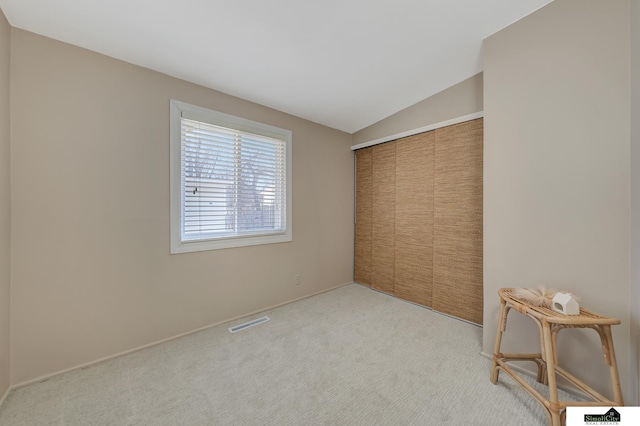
350,356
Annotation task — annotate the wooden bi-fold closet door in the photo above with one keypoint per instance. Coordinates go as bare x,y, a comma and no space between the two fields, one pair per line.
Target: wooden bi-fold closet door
364,185
414,218
383,209
457,233
419,219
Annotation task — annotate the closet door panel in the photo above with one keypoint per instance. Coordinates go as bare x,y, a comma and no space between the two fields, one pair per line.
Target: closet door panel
364,184
383,217
414,218
457,239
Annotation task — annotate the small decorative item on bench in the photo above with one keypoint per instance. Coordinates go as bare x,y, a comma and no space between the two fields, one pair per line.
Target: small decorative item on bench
566,304
540,296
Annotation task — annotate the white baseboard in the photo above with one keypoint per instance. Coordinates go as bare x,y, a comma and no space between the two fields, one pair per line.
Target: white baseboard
6,394
149,345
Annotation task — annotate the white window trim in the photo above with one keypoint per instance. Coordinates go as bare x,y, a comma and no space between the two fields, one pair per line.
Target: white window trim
177,110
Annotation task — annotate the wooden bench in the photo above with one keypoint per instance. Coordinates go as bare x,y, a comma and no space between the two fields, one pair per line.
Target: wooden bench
550,323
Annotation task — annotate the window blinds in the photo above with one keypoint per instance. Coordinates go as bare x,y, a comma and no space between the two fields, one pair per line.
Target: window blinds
233,183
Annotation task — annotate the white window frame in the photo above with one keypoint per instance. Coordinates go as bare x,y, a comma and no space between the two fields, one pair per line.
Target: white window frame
177,111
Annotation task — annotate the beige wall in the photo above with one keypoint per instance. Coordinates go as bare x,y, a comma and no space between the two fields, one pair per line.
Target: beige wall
91,271
557,172
461,99
635,200
5,203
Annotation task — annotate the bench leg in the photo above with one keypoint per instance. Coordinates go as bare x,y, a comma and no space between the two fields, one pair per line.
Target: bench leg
502,325
550,355
610,358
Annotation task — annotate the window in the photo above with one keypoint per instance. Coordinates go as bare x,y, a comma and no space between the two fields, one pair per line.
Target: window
230,181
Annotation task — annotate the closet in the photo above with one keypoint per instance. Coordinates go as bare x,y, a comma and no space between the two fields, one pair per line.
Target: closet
418,231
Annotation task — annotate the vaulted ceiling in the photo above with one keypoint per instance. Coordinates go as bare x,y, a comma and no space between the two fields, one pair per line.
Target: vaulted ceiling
343,63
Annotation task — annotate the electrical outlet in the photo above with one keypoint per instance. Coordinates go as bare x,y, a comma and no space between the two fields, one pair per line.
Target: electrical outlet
297,279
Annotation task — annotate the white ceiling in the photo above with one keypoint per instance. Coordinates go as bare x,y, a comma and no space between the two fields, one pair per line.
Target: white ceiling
343,63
